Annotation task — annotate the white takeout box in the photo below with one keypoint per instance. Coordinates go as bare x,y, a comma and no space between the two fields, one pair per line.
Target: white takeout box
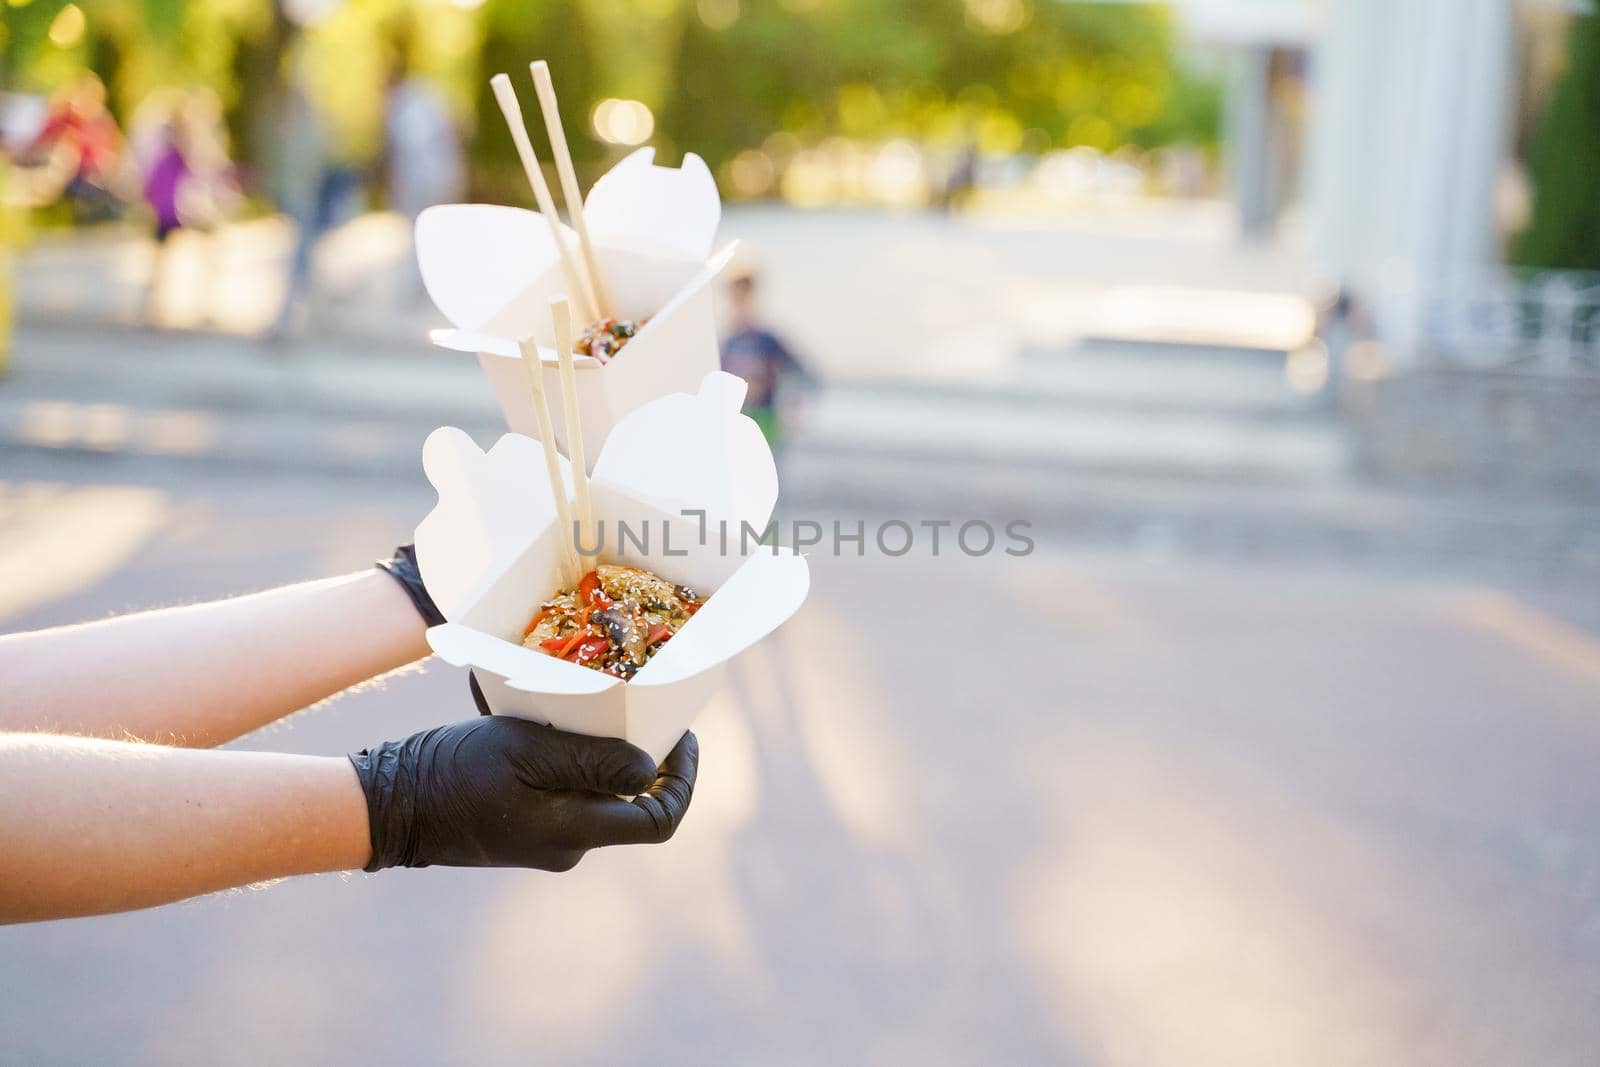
490,555
492,271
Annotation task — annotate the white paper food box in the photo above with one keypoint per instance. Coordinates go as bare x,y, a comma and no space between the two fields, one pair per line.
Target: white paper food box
489,553
492,271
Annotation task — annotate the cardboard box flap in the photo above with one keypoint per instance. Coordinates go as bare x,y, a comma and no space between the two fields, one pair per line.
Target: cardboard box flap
479,343
467,341
682,451
532,672
471,340
492,506
478,259
702,278
638,203
755,600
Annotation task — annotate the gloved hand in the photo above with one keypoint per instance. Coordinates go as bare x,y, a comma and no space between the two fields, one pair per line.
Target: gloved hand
505,792
402,567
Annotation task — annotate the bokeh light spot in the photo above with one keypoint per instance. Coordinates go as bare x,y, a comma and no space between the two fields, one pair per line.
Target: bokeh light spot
717,14
999,16
66,29
1306,369
625,122
752,173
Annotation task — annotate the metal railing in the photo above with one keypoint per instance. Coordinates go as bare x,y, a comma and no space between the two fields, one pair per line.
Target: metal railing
1547,322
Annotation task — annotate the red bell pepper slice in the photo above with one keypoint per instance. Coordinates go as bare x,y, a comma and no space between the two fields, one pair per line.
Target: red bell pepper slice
589,591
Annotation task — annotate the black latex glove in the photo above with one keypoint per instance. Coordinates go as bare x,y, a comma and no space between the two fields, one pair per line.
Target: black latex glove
505,792
402,567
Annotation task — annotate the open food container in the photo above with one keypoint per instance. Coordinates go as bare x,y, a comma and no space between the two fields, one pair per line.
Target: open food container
491,552
492,271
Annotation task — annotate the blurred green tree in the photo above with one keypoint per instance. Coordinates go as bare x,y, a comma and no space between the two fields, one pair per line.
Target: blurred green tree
516,32
1564,232
946,71
720,75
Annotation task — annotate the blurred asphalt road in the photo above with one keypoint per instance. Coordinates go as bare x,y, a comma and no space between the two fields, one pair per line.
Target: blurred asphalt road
1110,808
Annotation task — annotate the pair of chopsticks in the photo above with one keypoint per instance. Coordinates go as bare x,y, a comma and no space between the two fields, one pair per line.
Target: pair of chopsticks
571,536
585,285
586,289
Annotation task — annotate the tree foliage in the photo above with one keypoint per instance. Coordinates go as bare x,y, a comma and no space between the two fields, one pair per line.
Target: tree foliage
1564,232
719,75
937,70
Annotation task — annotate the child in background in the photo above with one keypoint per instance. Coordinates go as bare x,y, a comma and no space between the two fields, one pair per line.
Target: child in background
756,354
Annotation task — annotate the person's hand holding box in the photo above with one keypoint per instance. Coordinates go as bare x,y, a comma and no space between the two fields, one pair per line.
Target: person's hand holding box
505,792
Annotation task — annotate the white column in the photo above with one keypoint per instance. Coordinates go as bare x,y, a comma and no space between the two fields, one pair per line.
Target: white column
1249,132
1409,132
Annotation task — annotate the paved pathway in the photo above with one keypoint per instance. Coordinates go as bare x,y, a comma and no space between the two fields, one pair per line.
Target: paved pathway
1105,809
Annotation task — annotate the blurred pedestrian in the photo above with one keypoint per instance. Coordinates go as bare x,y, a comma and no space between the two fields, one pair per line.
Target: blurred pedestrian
178,140
962,180
756,354
213,193
424,163
166,171
81,144
1342,323
335,185
302,173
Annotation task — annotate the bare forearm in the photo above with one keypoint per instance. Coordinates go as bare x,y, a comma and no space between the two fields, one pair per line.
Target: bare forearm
90,826
201,675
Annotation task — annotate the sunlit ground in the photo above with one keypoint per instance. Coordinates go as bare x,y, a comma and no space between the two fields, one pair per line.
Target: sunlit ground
59,539
1104,809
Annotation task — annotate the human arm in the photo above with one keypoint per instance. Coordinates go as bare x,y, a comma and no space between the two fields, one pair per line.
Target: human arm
204,674
89,826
